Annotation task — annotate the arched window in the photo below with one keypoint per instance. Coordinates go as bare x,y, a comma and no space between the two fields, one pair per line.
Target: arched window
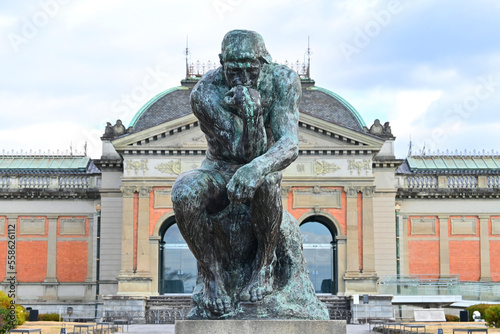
318,241
178,267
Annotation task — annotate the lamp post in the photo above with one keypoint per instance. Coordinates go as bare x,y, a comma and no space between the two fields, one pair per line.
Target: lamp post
98,256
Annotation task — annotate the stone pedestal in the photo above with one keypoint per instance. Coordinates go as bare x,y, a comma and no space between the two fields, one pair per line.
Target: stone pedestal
260,326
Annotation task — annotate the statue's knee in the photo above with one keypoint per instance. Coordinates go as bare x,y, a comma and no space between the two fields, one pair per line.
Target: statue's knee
183,190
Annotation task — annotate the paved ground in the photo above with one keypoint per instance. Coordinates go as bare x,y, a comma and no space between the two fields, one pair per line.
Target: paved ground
169,329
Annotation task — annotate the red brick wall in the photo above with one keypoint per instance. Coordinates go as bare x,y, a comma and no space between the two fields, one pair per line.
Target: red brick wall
423,255
72,255
3,250
465,256
155,214
31,257
31,261
72,261
465,259
3,259
494,260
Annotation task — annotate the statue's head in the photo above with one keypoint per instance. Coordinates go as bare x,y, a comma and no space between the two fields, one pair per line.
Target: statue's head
242,57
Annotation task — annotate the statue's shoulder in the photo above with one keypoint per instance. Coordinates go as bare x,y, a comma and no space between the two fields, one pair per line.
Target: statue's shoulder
281,75
208,83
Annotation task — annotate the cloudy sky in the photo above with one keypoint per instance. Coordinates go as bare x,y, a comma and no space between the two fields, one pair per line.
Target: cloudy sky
431,68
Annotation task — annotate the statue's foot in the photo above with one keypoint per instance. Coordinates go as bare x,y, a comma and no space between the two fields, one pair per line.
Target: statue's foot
216,300
260,286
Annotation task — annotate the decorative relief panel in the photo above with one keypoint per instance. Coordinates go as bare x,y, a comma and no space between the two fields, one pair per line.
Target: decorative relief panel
72,226
128,191
359,166
32,226
463,226
136,166
2,226
316,197
352,192
324,167
171,167
495,225
144,191
423,226
163,199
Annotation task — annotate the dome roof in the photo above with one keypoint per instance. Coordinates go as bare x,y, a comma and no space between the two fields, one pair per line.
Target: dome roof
318,102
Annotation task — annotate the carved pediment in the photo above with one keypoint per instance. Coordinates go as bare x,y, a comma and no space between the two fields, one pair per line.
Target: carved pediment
185,134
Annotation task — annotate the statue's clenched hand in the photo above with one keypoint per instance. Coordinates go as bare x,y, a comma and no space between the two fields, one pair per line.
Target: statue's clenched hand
242,186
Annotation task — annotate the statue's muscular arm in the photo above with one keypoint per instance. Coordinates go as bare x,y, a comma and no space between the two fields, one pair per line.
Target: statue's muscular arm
231,119
284,117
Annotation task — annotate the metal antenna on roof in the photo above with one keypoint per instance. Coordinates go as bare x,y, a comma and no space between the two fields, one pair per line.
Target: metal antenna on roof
85,149
409,148
187,56
308,69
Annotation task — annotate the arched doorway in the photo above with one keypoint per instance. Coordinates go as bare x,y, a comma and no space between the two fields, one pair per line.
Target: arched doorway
177,265
320,250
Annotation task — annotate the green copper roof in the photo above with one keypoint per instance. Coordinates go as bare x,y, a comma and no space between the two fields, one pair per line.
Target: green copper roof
458,162
344,102
152,101
20,162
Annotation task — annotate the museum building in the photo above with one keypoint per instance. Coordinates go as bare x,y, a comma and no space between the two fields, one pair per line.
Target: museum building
106,227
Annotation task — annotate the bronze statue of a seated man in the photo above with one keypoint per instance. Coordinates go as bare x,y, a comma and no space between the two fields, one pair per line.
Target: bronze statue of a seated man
230,210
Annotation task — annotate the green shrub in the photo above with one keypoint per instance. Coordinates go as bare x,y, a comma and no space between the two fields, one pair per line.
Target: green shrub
21,314
6,323
492,316
478,307
49,317
10,318
451,318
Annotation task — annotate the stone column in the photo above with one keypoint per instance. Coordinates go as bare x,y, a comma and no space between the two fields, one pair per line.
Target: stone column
404,251
444,246
154,250
127,268
342,263
485,248
368,232
352,231
51,276
143,265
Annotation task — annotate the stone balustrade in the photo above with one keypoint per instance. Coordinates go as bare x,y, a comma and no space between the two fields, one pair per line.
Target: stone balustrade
48,182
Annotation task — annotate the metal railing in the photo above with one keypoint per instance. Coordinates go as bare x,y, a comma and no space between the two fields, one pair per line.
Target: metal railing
425,285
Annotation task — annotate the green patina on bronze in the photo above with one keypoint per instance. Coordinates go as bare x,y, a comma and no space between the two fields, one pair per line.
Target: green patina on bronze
229,211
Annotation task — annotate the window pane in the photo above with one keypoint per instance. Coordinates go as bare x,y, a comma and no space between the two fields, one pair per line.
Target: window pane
179,264
319,255
315,233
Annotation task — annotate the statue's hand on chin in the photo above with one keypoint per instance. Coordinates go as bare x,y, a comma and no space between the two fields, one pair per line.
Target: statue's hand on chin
242,186
245,100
